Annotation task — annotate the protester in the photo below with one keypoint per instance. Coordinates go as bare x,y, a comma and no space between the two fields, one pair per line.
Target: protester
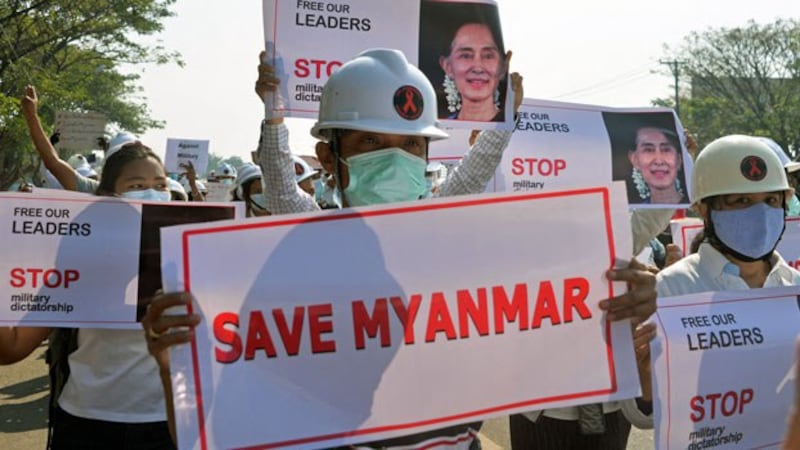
177,192
304,175
379,156
224,174
82,166
196,190
740,190
249,190
112,397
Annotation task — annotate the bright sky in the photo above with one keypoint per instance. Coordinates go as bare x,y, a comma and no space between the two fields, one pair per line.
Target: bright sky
584,51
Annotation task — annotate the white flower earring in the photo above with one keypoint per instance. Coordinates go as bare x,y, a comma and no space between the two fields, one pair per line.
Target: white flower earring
641,186
451,92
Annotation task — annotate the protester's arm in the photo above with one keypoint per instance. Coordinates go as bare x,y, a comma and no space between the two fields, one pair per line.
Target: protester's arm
163,331
16,343
479,164
191,175
792,441
63,172
282,195
639,411
647,224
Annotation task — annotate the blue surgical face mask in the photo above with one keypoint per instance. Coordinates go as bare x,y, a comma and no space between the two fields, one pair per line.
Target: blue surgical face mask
384,176
258,201
151,195
753,231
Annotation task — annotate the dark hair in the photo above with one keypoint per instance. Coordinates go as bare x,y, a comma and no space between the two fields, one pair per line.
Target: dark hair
669,134
112,168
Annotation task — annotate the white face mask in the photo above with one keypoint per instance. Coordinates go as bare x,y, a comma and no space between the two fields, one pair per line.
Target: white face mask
151,195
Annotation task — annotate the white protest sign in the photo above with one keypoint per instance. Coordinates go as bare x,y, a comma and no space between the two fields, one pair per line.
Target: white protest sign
79,131
183,151
564,145
348,348
722,362
685,230
84,260
299,37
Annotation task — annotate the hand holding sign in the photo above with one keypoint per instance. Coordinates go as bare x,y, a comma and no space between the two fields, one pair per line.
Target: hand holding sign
639,303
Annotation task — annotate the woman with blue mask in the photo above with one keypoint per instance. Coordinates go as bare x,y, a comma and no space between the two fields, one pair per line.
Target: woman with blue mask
112,396
740,190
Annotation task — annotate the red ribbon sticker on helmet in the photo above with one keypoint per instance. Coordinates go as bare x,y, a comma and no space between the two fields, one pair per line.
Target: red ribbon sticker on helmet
408,102
754,168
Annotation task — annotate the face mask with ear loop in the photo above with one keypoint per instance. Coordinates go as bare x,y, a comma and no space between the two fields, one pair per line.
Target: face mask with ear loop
748,234
387,175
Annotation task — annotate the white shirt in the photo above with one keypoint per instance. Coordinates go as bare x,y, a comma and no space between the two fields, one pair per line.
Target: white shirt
113,378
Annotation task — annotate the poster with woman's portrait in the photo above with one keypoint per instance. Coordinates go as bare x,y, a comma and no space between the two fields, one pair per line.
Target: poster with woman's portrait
457,45
649,155
461,52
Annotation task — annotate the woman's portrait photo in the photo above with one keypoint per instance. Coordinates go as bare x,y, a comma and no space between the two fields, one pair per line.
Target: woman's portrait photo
648,155
462,54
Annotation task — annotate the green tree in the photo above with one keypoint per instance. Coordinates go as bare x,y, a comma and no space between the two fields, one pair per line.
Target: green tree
72,51
743,80
215,161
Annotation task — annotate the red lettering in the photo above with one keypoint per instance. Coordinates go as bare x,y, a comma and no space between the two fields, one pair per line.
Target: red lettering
560,165
17,277
290,338
730,403
505,311
50,278
304,67
34,273
575,292
319,327
227,337
546,306
363,323
407,316
517,167
439,319
477,314
258,337
696,404
71,276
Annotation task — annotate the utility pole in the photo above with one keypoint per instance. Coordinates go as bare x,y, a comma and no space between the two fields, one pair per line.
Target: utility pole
675,68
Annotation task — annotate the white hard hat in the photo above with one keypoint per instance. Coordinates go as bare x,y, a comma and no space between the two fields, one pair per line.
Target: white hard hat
379,91
118,141
302,170
77,161
174,186
787,163
737,164
246,172
188,188
225,170
48,179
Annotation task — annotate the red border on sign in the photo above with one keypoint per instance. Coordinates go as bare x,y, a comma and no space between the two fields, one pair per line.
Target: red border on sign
422,206
666,350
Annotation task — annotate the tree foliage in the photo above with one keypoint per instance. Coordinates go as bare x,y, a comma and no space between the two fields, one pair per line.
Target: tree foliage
743,80
72,51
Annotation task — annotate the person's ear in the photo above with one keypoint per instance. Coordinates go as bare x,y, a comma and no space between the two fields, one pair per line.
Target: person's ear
445,65
632,158
326,157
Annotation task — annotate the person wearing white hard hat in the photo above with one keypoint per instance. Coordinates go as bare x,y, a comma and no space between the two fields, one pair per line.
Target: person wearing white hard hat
303,175
81,165
377,116
250,190
224,174
740,190
176,190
